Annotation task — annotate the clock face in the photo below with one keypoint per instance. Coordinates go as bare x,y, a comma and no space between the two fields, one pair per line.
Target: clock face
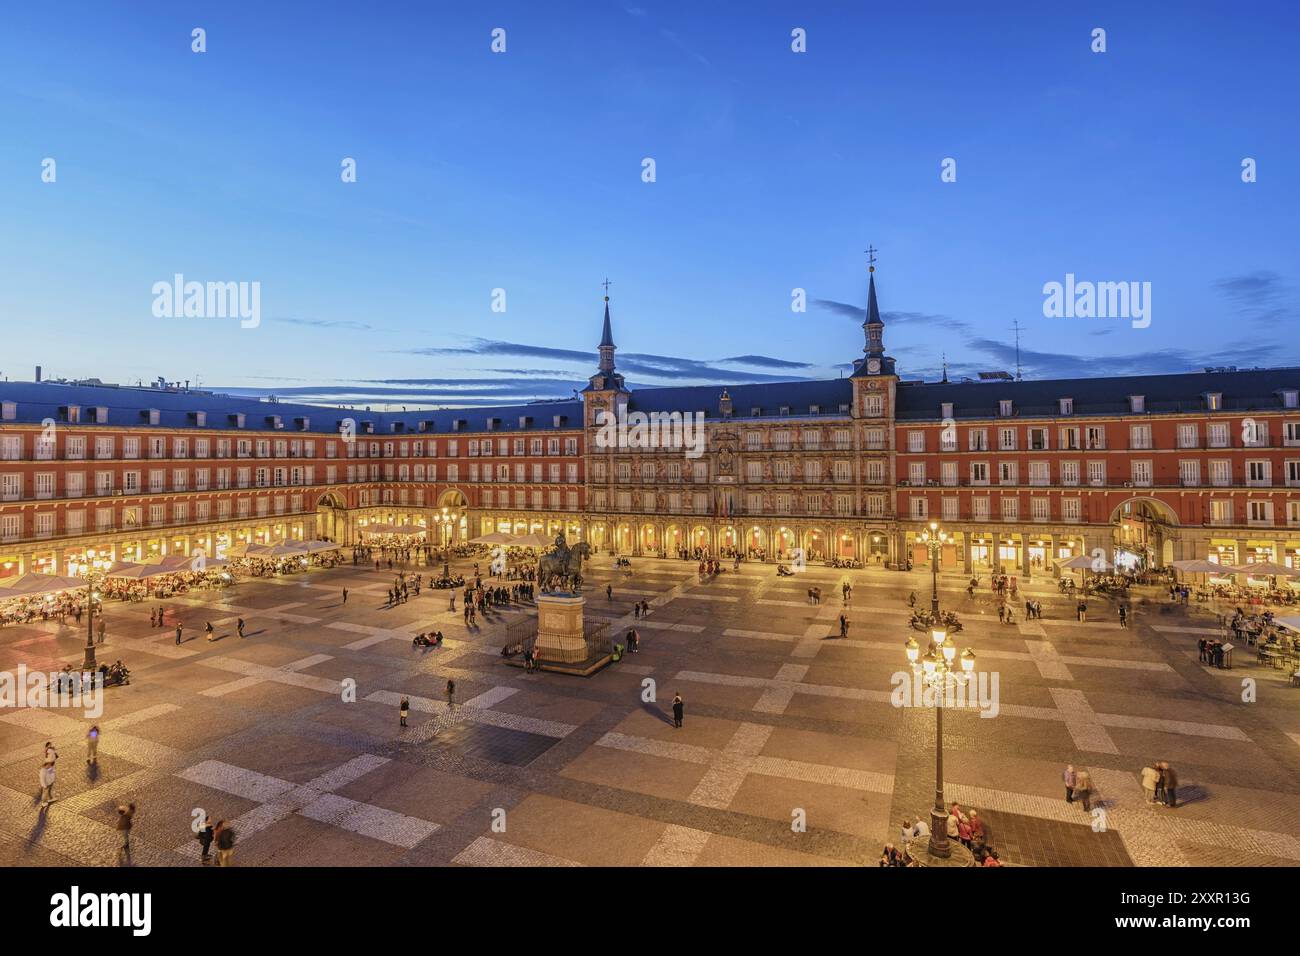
873,365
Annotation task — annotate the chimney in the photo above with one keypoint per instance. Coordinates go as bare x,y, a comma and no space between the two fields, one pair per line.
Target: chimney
38,373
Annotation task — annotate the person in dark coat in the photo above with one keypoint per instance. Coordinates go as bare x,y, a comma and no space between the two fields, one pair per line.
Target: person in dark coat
205,839
678,709
1171,785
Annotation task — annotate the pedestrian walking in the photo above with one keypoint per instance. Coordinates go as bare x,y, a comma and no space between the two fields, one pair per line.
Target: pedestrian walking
1123,617
51,754
153,618
207,629
403,709
609,592
205,837
47,783
125,817
345,595
451,694
1083,789
92,744
844,626
678,710
1070,779
1150,777
161,622
1081,612
100,629
179,628
239,626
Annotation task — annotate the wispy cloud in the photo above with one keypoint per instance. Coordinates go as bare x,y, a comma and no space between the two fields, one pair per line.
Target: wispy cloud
1253,288
764,361
859,313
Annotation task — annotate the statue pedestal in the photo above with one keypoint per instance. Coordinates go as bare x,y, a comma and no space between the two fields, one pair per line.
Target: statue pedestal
559,628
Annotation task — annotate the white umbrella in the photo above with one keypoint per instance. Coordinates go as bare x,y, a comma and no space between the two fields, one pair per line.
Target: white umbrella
1199,566
495,537
1265,569
534,540
1291,623
36,583
1087,563
317,546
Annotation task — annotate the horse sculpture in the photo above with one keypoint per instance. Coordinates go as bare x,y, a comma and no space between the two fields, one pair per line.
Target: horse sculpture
561,569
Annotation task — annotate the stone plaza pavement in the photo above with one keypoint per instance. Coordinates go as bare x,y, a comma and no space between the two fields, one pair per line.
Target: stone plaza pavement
782,718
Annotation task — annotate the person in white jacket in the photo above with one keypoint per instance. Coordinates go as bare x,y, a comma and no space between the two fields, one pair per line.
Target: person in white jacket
47,783
1150,776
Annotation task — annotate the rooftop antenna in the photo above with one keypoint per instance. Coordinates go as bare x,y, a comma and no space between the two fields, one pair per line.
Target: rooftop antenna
1016,326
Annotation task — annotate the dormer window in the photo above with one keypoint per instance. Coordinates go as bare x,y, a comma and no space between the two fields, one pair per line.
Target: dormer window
303,423
199,418
493,424
945,410
1137,404
273,421
785,411
755,412
150,415
1005,408
8,411
1214,401
559,421
814,409
525,421
99,414
237,419
72,413
1067,406
1290,398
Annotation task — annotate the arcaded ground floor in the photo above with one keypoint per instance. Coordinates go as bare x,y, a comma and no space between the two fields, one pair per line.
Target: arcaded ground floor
293,732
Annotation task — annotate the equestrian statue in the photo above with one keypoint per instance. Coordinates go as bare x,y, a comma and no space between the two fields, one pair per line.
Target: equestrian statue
560,570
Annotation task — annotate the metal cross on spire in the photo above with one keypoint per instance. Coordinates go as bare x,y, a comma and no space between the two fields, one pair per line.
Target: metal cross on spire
606,284
871,258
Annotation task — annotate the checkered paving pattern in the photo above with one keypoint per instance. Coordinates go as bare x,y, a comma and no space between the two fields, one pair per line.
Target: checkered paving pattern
793,751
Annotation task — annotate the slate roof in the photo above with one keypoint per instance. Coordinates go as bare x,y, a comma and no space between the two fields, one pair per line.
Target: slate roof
1242,391
829,395
128,406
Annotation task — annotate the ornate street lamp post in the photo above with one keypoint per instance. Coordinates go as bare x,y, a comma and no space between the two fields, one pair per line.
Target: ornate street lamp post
936,669
934,539
94,573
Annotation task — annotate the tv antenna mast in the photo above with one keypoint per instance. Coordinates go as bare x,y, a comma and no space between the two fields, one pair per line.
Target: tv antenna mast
1016,326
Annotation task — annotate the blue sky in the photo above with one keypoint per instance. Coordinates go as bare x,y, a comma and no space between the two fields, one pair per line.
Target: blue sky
522,171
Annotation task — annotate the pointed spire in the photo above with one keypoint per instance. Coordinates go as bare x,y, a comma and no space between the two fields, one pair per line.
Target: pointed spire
873,310
607,335
606,346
